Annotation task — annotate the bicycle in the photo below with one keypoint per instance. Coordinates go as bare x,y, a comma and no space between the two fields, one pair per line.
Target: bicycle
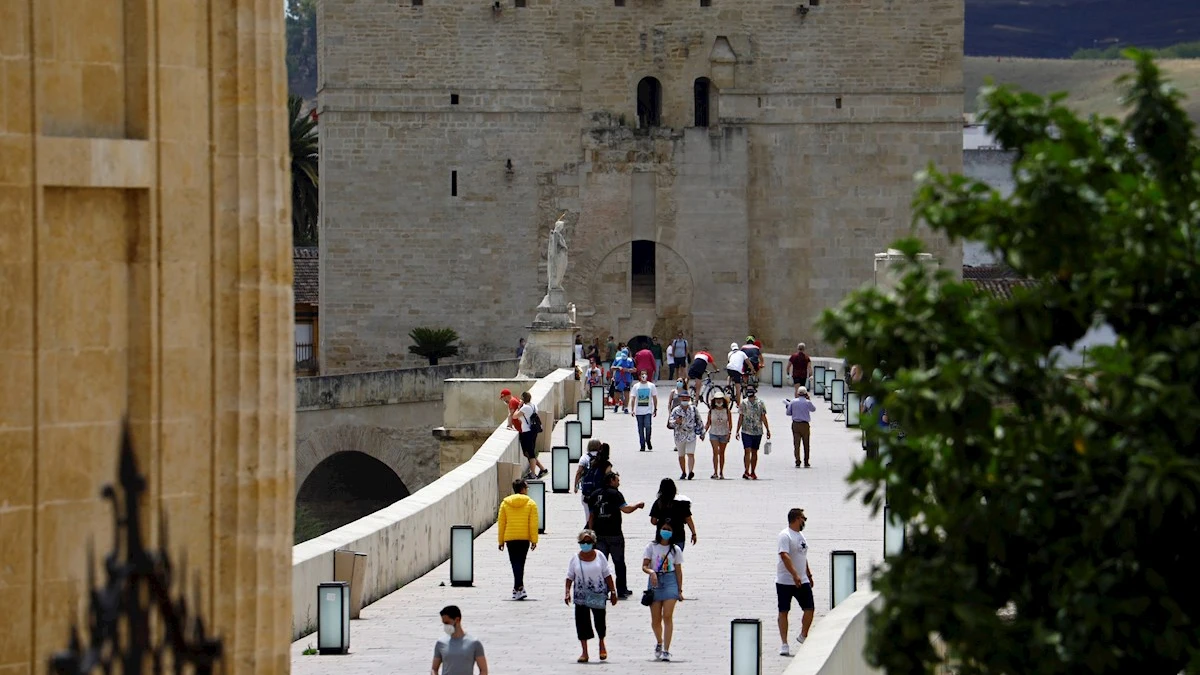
708,388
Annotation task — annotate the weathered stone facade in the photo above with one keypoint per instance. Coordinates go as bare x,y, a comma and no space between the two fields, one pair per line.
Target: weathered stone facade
818,118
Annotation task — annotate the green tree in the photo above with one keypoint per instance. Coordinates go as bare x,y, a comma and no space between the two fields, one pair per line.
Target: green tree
433,343
1052,510
301,34
302,129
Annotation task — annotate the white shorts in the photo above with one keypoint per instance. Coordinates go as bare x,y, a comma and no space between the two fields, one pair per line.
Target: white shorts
685,447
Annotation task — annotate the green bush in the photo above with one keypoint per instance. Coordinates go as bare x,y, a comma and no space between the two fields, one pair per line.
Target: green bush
433,343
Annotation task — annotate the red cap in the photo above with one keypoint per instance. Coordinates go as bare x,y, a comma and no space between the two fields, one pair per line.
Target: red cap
505,392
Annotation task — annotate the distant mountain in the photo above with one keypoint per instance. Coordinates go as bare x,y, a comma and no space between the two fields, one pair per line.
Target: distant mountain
1057,28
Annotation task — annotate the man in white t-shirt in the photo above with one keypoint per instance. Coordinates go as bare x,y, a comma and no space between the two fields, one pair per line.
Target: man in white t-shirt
793,578
644,406
735,368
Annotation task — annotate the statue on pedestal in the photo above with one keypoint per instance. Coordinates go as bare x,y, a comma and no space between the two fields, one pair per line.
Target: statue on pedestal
553,310
550,345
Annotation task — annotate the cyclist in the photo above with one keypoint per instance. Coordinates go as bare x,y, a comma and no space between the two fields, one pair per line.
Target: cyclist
754,353
696,370
738,360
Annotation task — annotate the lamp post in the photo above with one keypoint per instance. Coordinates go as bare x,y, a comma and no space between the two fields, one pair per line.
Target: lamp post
560,469
843,569
537,492
333,617
583,411
777,374
462,555
597,397
575,440
893,534
745,647
852,408
818,381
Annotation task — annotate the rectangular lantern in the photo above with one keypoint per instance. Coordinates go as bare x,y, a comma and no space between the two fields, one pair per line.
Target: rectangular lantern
827,389
333,617
838,402
597,397
776,373
537,492
893,534
818,381
575,440
852,406
843,567
462,555
560,469
583,411
745,647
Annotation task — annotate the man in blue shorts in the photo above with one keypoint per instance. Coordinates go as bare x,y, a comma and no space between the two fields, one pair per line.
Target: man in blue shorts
622,375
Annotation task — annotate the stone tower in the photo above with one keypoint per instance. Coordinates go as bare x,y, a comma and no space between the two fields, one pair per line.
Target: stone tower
729,166
145,262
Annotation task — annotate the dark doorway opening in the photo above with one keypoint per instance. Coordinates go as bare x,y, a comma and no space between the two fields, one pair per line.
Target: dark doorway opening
649,103
642,284
638,343
343,488
702,91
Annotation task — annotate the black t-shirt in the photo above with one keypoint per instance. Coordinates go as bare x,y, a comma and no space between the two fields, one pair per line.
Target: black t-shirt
677,513
606,511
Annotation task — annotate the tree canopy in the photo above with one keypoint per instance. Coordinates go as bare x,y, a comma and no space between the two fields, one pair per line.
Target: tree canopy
1052,510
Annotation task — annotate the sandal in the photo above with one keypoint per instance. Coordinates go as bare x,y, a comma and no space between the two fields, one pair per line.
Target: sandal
745,476
714,476
582,659
603,654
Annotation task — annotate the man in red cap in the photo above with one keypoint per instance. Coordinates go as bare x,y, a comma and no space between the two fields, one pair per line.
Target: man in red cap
514,404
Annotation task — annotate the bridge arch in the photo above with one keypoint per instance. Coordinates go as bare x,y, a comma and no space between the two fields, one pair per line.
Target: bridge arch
391,447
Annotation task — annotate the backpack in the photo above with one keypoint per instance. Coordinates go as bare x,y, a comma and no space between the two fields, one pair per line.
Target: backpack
592,479
535,423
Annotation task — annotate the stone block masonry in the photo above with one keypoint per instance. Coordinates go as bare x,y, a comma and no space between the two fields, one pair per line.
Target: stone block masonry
453,135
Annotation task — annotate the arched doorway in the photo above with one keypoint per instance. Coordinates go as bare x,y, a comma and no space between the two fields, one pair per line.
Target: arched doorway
649,103
343,488
638,343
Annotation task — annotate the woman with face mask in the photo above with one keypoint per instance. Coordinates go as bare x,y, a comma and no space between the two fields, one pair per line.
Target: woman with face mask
591,575
718,427
663,564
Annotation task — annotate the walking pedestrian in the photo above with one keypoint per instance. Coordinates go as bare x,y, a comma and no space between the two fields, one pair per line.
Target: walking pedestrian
610,351
752,420
527,432
589,477
735,368
622,376
592,577
669,507
645,409
657,349
800,368
678,353
578,348
594,377
521,348
663,564
607,506
644,360
517,528
593,351
685,421
457,653
718,427
793,578
801,410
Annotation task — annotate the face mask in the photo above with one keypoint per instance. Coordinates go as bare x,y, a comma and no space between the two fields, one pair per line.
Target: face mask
584,546
679,385
449,628
665,534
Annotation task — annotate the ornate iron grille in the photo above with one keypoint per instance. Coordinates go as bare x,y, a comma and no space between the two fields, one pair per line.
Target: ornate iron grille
134,624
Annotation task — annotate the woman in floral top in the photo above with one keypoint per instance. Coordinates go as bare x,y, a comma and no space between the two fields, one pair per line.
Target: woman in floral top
591,575
752,420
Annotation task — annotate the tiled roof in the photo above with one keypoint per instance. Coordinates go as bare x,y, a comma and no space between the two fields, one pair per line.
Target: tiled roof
988,272
305,284
1000,288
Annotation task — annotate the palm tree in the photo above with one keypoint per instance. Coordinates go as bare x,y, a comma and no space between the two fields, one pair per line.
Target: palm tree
302,128
433,343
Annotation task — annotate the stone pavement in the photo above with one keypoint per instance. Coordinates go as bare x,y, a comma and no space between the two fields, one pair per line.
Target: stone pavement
729,574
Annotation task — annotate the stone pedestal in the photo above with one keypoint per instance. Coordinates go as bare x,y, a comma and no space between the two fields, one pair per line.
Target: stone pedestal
889,268
548,349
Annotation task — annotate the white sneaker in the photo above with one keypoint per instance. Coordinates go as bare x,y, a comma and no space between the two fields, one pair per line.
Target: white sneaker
520,595
514,597
658,652
666,656
784,651
801,638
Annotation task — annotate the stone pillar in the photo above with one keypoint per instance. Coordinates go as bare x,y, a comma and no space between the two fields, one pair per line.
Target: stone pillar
889,268
145,258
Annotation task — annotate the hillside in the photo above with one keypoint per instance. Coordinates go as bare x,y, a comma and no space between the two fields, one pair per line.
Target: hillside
1056,28
1091,84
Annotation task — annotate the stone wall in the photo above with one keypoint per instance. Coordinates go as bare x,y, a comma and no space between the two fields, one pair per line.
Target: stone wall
145,263
760,221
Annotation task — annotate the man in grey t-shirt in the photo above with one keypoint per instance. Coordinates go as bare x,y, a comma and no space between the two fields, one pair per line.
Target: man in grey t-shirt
457,653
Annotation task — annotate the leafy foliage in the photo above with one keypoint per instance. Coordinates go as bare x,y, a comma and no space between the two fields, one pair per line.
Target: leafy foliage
1052,510
301,33
433,343
302,129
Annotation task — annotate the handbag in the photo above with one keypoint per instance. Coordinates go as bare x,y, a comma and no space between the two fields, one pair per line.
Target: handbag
767,447
648,597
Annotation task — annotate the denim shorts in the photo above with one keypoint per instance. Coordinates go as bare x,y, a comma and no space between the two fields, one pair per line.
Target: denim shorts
719,438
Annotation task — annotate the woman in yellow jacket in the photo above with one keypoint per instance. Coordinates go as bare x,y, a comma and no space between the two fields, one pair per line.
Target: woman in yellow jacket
517,526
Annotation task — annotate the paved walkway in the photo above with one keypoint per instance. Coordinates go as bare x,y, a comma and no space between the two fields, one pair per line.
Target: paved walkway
729,574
